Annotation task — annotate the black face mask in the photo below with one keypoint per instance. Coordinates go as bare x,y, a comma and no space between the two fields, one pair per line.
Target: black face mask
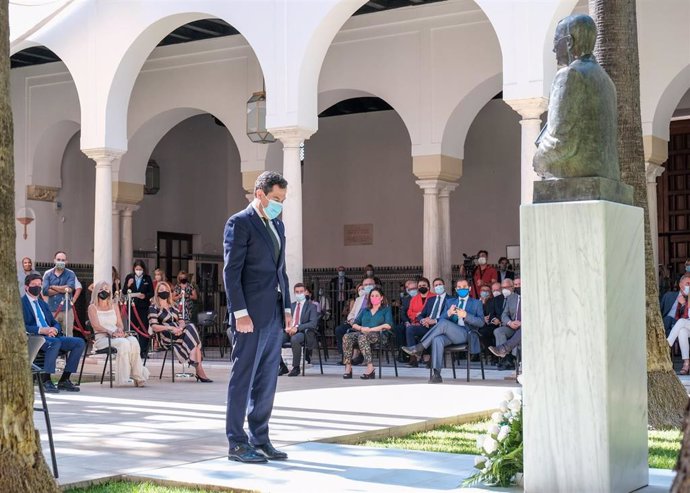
34,290
164,295
183,280
423,290
516,290
104,295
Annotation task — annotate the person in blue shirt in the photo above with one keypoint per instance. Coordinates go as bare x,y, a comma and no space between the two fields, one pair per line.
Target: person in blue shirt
462,317
369,324
57,282
39,320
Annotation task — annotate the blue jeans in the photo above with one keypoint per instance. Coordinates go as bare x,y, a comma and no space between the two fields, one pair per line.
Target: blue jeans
52,347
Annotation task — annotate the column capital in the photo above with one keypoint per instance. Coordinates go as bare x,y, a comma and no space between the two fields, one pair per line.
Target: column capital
436,186
103,155
653,171
655,149
291,136
437,167
128,209
531,108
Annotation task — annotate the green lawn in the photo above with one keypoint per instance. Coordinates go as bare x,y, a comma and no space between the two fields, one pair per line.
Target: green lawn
127,487
462,439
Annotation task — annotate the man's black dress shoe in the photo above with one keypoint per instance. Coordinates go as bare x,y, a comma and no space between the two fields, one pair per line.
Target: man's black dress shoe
68,386
270,452
499,351
436,377
283,370
294,372
415,350
50,387
246,453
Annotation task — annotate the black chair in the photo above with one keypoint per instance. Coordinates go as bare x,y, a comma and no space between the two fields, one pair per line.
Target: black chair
108,351
304,348
162,347
34,344
456,349
206,321
386,344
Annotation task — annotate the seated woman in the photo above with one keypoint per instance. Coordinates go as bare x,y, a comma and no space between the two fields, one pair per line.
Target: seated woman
165,322
106,321
374,319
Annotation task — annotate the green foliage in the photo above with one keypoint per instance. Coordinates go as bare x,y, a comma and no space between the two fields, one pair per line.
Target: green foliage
128,487
664,446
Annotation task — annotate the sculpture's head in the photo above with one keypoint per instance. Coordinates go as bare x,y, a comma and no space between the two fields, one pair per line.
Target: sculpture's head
575,37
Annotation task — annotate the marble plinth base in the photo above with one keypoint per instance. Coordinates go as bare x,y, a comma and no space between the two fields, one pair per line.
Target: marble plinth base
588,188
584,347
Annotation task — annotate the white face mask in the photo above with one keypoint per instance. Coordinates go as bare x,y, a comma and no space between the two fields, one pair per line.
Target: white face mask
496,293
481,260
506,292
139,272
686,290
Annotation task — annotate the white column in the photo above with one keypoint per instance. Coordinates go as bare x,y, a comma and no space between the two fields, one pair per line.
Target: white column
116,236
103,212
431,232
292,210
126,235
444,224
653,171
530,110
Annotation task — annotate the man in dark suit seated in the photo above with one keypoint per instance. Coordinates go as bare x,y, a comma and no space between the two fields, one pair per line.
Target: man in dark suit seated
400,337
669,308
511,322
431,314
39,320
304,318
461,315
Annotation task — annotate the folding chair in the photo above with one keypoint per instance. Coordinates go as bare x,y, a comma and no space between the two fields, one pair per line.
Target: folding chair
35,343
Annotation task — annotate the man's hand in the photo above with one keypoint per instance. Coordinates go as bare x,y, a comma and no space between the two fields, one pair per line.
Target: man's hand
292,331
486,319
496,322
515,324
245,325
48,331
288,319
460,313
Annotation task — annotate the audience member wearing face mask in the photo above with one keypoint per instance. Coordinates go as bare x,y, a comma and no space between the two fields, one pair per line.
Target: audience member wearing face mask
139,285
57,282
184,285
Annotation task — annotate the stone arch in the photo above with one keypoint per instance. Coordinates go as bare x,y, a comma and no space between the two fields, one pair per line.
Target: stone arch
46,161
466,110
667,104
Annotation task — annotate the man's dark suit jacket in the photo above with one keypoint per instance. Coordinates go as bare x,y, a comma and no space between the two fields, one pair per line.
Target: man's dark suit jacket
667,301
252,274
308,317
333,287
494,308
509,275
30,321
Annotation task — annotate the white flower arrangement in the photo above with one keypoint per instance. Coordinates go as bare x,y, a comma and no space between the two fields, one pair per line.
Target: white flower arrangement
501,461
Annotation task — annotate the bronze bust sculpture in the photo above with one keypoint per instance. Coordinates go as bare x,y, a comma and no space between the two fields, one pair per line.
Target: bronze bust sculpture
577,147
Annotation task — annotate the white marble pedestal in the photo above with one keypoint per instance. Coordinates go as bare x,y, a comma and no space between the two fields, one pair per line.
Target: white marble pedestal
584,349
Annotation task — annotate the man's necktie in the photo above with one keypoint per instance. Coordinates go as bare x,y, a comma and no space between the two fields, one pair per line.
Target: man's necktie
297,313
434,309
39,312
462,304
276,245
518,315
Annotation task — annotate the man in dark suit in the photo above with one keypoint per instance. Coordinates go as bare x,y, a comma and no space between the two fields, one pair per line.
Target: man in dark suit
503,270
511,322
305,320
669,309
431,314
461,316
400,329
39,320
257,289
340,288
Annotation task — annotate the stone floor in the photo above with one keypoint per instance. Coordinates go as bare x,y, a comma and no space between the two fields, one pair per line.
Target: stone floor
175,431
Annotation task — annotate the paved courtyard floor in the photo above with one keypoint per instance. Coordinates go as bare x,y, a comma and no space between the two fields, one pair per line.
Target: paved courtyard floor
175,431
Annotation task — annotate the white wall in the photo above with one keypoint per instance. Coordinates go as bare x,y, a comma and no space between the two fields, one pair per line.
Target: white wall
201,185
358,169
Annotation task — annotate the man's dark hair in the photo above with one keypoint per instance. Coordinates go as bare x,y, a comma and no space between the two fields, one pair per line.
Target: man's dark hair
502,259
268,179
299,285
482,251
60,251
30,278
439,279
367,267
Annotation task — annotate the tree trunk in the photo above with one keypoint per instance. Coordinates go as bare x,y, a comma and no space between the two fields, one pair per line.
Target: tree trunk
617,52
22,466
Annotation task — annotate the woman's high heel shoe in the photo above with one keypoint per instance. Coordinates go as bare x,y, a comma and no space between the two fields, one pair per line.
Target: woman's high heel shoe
685,370
347,376
369,376
203,380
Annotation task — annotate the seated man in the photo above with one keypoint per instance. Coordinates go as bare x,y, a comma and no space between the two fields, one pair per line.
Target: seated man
358,306
410,291
304,318
39,320
461,316
511,321
433,309
669,308
509,346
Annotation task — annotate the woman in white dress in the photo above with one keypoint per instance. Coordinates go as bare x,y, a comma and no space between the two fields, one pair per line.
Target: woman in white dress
106,320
